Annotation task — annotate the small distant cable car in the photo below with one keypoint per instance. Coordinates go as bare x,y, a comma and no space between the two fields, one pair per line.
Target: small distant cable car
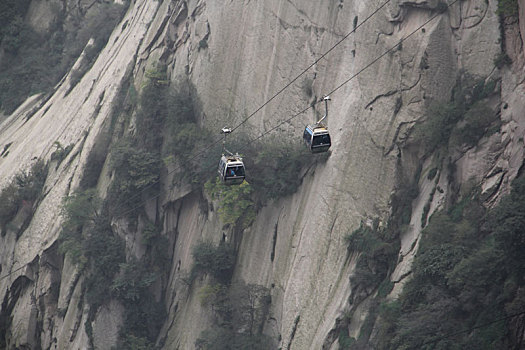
316,137
231,167
231,170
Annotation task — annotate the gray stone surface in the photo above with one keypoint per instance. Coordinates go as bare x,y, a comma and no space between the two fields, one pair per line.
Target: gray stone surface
252,50
106,325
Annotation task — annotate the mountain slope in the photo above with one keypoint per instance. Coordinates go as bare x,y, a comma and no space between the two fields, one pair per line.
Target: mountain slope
221,62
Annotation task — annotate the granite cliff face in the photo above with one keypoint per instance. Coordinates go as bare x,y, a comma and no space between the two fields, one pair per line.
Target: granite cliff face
237,55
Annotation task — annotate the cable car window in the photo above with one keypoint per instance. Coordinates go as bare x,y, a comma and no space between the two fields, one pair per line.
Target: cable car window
235,171
231,167
307,133
307,136
321,140
240,171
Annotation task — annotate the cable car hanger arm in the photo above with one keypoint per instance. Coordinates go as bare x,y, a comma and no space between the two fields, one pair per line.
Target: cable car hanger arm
326,99
225,131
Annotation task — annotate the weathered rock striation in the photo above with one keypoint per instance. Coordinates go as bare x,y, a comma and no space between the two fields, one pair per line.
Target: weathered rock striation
239,54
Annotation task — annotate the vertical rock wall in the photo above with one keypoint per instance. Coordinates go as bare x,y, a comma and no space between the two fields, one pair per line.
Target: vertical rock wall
42,298
238,54
369,117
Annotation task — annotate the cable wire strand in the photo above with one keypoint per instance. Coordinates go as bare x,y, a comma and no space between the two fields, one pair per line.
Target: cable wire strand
314,104
285,121
274,96
311,65
13,271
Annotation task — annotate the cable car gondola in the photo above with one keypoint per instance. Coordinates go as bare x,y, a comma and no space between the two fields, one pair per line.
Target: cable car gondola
316,137
231,167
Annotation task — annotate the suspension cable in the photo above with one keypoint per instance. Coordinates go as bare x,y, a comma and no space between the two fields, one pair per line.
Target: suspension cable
204,150
311,105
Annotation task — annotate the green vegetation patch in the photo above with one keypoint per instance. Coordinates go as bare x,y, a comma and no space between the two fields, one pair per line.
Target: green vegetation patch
137,173
377,250
60,153
143,315
78,210
104,252
508,7
236,207
22,191
277,167
88,239
469,271
502,60
162,109
222,338
34,62
240,312
157,246
218,261
167,123
462,120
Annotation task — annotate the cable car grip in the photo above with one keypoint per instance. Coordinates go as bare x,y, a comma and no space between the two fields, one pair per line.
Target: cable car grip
325,99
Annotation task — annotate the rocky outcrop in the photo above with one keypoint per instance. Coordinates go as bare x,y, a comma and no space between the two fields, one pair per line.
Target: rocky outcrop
310,261
238,55
78,118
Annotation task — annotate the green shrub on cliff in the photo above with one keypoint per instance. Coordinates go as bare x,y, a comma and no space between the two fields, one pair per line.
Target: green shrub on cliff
377,250
137,174
462,120
508,7
277,167
236,207
23,190
468,272
33,62
218,261
240,313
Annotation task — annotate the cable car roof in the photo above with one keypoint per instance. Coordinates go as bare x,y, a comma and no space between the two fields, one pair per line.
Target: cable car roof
318,129
234,163
232,160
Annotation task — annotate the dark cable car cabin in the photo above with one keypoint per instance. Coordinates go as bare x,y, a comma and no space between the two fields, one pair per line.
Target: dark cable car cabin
231,170
317,138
